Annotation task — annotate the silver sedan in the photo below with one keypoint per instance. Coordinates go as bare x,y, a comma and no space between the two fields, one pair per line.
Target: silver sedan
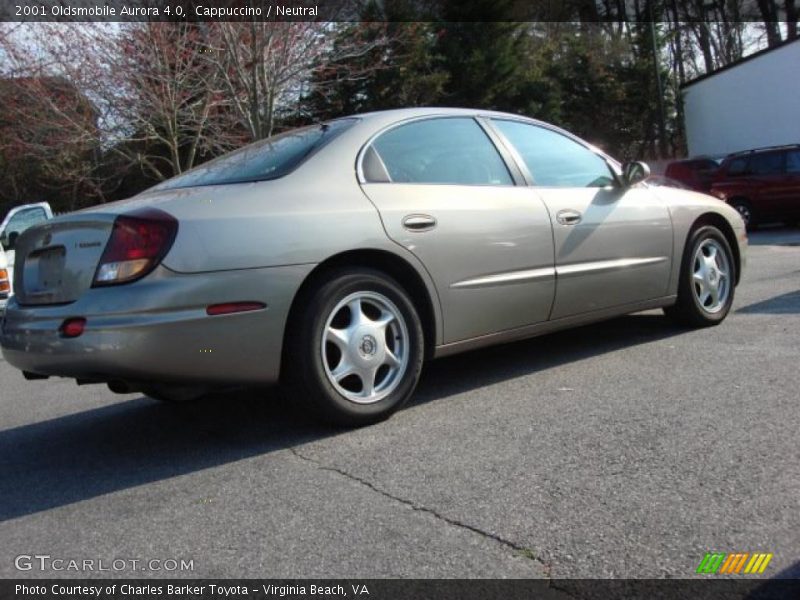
338,257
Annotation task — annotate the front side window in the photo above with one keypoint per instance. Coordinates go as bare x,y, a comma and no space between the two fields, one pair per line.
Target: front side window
271,158
767,164
451,150
553,159
793,162
738,166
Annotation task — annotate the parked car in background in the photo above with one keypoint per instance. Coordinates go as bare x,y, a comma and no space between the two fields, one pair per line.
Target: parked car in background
695,173
339,256
762,184
14,223
5,282
21,217
661,181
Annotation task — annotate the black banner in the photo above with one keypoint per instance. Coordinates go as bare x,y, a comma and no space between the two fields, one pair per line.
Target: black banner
397,589
372,10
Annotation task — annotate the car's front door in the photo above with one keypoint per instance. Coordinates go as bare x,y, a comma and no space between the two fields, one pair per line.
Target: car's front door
613,245
444,192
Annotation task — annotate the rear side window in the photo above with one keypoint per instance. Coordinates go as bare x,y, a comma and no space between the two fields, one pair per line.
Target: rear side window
767,164
553,159
445,150
271,158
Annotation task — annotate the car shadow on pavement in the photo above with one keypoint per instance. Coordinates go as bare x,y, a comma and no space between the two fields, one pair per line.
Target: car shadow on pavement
784,304
774,236
491,365
130,443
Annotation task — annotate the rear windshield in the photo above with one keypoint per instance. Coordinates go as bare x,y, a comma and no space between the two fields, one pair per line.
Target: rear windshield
271,158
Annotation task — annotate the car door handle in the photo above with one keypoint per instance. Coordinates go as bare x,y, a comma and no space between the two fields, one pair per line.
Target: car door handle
568,217
419,222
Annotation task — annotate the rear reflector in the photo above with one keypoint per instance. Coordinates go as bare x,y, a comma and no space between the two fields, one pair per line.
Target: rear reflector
234,307
72,328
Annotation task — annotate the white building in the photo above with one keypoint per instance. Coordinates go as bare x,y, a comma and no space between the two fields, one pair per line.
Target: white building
749,104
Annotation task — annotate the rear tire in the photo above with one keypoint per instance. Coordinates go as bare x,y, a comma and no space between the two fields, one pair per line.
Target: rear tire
707,276
355,354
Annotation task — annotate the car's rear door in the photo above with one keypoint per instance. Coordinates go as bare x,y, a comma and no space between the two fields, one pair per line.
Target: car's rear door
613,245
445,193
767,174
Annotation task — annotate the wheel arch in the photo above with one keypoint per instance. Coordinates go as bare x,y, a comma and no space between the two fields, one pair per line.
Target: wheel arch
721,223
397,267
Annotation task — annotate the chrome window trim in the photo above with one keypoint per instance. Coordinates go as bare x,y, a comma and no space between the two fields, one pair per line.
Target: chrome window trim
362,180
614,166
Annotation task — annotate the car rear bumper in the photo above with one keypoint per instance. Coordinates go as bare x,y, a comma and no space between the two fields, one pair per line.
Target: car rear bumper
157,329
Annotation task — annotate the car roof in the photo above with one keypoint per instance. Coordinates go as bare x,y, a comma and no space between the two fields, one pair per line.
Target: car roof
764,149
379,120
386,117
421,111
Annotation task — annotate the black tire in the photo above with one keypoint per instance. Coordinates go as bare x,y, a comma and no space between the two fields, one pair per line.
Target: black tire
746,211
688,310
307,377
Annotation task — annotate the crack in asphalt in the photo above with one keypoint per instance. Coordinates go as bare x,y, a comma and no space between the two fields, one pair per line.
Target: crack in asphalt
521,551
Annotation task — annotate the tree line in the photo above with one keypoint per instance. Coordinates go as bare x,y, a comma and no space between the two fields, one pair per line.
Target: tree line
97,112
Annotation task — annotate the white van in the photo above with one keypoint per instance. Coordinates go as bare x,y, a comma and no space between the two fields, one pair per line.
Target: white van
5,281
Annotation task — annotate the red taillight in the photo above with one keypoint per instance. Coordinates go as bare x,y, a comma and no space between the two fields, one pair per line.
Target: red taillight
72,328
138,242
233,307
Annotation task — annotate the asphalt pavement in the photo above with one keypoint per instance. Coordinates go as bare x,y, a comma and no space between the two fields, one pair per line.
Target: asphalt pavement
625,449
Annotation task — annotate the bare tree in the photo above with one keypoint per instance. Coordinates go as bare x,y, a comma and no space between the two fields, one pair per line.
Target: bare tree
265,67
148,98
168,99
769,13
49,124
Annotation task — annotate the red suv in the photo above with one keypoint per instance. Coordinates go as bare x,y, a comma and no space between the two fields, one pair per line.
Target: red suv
763,184
696,173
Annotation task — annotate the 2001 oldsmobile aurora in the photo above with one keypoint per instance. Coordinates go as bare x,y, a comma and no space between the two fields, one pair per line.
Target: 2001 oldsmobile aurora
337,257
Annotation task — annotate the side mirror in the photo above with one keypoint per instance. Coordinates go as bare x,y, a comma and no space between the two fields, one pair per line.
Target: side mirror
634,172
10,240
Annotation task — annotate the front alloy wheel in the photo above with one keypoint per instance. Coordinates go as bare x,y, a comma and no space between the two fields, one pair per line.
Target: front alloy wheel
355,352
707,279
711,276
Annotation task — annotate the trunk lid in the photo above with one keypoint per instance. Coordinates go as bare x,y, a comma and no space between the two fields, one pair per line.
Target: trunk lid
56,261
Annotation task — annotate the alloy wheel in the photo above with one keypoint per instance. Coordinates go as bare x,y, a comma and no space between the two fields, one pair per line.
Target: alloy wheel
744,212
365,347
711,276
